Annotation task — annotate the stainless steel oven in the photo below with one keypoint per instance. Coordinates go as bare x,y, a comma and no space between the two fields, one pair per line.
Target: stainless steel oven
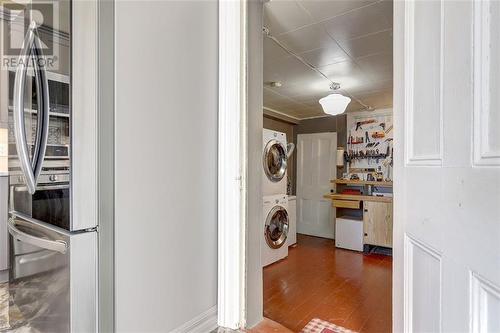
50,203
52,152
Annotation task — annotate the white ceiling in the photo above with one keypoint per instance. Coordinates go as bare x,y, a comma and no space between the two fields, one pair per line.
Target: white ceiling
350,41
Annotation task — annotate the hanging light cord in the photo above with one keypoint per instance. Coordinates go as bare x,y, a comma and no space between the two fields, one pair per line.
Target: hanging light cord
334,85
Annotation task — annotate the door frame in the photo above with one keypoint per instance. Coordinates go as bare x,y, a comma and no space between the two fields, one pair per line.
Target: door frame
231,165
398,232
240,299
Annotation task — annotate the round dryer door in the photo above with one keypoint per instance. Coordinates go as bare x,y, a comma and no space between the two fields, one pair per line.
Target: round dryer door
276,228
274,160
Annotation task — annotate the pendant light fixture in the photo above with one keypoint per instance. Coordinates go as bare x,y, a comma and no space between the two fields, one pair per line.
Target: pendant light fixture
335,103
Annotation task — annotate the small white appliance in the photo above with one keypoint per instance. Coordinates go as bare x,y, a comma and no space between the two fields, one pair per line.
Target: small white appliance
274,162
292,216
349,233
276,225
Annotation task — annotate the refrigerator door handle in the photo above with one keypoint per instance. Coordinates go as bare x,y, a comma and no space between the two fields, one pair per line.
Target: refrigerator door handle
52,245
42,92
30,170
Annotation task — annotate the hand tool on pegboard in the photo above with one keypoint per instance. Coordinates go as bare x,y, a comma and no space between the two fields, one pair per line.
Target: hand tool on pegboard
361,123
378,135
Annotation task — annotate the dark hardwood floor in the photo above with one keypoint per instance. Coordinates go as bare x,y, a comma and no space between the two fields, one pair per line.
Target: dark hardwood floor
317,280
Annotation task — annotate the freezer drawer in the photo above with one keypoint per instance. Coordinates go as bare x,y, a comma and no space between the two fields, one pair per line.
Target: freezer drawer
53,278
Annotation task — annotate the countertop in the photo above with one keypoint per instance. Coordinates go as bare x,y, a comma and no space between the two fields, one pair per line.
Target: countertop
4,173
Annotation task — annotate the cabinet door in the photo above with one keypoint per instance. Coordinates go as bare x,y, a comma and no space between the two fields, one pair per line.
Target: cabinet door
377,218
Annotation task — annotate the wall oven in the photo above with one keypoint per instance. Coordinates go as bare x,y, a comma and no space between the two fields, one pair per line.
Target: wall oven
50,203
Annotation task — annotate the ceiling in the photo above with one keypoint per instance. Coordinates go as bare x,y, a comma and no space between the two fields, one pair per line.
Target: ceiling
349,41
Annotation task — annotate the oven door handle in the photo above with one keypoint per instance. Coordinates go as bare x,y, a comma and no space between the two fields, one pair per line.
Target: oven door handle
31,170
52,245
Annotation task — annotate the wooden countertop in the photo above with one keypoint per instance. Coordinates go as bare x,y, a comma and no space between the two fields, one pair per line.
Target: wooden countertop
357,197
360,182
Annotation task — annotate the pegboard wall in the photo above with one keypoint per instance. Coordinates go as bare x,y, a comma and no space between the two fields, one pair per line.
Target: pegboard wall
369,147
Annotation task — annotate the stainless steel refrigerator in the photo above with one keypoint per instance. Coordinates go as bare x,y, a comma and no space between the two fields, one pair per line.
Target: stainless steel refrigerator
53,246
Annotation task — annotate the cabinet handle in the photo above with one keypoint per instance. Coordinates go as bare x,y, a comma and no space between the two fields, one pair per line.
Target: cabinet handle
366,210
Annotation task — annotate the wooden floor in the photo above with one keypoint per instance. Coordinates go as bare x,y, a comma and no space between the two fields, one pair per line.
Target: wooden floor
343,287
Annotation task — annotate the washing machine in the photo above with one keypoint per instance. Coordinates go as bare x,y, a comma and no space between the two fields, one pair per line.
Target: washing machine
274,161
276,225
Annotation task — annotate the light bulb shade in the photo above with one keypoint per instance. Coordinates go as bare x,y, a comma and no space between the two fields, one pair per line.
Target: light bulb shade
334,104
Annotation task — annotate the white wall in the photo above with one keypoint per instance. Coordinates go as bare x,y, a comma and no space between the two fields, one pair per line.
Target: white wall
255,224
166,163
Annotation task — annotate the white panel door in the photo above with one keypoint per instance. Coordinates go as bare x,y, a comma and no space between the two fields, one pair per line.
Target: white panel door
447,166
316,166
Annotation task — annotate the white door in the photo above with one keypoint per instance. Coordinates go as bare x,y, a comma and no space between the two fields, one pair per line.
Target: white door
447,176
316,166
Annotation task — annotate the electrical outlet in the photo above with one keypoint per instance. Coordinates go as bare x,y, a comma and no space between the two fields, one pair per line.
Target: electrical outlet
3,150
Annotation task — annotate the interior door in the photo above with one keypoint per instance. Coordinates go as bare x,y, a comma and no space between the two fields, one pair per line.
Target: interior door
316,167
447,176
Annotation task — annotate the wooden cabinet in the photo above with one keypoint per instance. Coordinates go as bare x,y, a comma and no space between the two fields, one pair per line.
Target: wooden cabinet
377,226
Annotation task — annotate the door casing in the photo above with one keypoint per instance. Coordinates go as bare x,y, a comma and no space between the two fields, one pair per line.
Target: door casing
246,282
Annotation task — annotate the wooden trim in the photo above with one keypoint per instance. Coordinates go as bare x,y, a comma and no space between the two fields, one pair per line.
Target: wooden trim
268,112
232,165
360,182
205,322
357,197
399,188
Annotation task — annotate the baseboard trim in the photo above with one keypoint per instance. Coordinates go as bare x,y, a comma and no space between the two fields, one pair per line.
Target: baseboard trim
203,323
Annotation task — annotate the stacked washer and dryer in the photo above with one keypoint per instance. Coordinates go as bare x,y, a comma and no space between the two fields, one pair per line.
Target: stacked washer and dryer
277,217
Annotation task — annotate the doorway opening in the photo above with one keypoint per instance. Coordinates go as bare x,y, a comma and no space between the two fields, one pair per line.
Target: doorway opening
327,165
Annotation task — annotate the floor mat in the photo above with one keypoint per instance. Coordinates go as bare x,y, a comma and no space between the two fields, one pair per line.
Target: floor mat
11,319
321,326
4,306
